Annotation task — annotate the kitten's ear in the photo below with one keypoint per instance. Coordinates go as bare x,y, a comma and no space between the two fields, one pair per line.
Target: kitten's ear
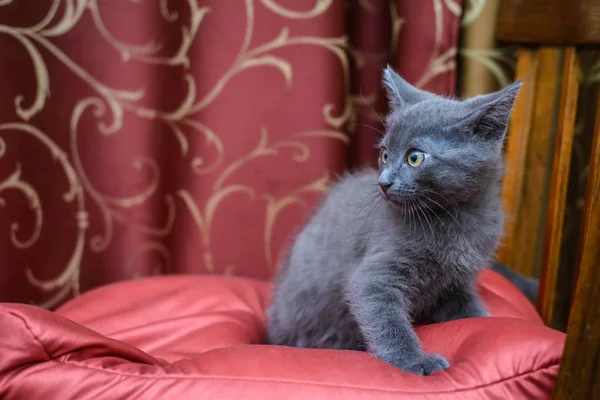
401,93
489,114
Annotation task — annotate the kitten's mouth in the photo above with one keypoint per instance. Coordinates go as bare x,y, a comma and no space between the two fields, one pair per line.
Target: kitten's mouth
401,202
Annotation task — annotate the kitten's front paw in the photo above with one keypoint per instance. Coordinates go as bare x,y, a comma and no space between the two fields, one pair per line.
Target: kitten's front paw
427,364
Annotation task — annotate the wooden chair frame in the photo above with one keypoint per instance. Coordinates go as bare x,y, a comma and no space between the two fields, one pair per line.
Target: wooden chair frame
551,34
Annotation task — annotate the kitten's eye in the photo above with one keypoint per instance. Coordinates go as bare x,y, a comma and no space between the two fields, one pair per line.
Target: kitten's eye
384,155
415,158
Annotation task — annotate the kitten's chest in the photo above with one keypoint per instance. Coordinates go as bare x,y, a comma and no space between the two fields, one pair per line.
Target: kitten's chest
434,263
431,275
434,271
428,285
448,255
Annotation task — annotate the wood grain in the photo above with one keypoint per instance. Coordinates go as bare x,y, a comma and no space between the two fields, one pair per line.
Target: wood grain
516,147
579,375
526,190
558,184
548,22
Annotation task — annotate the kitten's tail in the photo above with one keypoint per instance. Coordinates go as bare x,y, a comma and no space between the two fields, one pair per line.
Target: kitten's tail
528,286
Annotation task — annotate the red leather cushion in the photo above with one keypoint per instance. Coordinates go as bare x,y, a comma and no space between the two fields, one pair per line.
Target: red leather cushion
178,337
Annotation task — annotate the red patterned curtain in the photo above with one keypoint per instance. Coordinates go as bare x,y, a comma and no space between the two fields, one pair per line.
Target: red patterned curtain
151,137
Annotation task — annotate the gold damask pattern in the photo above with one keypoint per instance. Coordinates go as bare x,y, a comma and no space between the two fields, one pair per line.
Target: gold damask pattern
142,137
110,105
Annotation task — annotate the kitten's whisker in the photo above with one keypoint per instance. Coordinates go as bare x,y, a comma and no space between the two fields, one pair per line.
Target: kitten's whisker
374,207
443,208
433,211
409,214
374,112
409,217
370,195
412,200
426,218
445,198
441,195
412,208
372,127
450,214
369,202
414,216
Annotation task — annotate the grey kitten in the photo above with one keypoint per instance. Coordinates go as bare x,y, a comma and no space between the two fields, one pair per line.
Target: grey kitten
403,245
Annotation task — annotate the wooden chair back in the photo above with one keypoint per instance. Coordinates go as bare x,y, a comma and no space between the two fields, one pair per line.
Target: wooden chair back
551,34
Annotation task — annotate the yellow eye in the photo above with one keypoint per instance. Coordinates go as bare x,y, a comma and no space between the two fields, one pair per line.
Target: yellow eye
384,155
415,158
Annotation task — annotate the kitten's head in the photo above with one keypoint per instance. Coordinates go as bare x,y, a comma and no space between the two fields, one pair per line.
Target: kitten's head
439,151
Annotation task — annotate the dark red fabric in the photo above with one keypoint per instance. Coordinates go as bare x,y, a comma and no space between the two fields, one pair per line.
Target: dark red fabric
371,38
198,337
168,137
432,56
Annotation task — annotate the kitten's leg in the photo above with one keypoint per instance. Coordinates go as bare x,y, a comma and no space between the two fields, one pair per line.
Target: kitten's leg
376,300
309,321
461,303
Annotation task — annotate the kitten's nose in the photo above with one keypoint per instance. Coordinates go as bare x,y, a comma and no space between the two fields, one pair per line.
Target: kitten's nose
384,185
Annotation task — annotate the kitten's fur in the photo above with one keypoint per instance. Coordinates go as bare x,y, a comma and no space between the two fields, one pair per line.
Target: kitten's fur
368,265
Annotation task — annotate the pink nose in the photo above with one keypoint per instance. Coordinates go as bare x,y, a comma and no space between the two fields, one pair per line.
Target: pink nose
385,186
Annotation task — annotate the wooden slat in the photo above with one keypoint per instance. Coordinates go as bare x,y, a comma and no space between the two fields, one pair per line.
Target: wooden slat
579,375
558,184
548,22
530,223
528,164
516,148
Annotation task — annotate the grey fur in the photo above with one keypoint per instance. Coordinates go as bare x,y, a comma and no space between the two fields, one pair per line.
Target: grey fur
368,265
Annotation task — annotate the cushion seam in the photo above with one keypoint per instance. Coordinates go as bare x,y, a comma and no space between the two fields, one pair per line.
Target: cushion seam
33,335
313,383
